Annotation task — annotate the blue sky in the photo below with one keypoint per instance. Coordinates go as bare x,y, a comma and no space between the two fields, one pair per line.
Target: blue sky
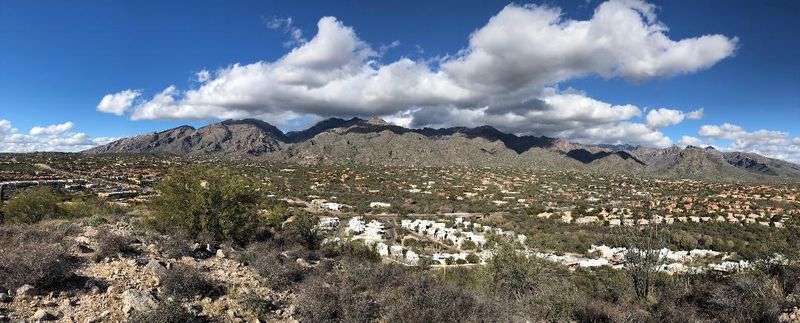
59,59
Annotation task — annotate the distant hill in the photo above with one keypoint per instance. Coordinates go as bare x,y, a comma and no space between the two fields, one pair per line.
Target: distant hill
359,141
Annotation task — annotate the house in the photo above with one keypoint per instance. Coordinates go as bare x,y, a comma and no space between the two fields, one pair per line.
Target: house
586,220
396,251
328,223
332,206
589,263
382,249
355,225
412,257
381,205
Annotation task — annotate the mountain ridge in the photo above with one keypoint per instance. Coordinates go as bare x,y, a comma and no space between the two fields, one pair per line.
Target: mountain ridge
359,141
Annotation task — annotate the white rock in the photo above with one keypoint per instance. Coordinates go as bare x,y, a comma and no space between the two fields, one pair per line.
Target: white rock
136,300
43,315
26,291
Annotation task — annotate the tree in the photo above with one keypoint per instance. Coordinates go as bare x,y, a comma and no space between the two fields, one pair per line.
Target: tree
32,206
304,228
207,201
643,256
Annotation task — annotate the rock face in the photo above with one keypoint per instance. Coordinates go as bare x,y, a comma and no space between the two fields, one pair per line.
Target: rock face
761,165
375,142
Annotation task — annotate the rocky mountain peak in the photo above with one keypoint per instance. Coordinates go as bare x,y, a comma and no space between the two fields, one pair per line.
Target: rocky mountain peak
377,122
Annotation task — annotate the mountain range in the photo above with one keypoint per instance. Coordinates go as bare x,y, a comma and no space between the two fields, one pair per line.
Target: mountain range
374,142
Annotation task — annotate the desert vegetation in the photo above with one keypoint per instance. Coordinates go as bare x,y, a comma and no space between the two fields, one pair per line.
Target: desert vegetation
210,242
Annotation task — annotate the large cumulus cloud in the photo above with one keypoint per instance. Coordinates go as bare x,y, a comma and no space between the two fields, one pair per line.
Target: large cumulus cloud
506,76
57,137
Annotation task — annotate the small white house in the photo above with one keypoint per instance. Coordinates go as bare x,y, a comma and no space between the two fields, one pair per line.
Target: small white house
379,205
332,206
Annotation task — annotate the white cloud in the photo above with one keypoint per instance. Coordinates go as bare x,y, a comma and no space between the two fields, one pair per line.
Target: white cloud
287,25
660,118
696,115
50,138
504,77
726,131
118,103
535,45
694,141
52,129
202,76
565,114
770,143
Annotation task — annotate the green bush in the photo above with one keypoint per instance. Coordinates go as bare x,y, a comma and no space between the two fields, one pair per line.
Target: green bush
32,206
91,207
303,229
207,201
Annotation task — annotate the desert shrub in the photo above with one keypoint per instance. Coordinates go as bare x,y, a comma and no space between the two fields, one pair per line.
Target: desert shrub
594,311
424,299
32,206
110,244
170,312
746,297
672,305
186,282
605,284
513,272
27,233
303,229
321,302
210,201
318,302
279,271
742,297
259,306
353,251
787,277
173,246
91,207
34,259
355,292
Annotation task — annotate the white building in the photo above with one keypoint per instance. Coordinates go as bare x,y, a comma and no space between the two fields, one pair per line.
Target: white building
379,205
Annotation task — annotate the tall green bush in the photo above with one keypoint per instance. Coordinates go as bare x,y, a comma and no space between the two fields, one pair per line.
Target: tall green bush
31,206
213,201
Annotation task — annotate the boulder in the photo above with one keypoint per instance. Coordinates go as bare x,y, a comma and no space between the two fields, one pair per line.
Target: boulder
139,301
43,315
155,268
26,291
4,298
